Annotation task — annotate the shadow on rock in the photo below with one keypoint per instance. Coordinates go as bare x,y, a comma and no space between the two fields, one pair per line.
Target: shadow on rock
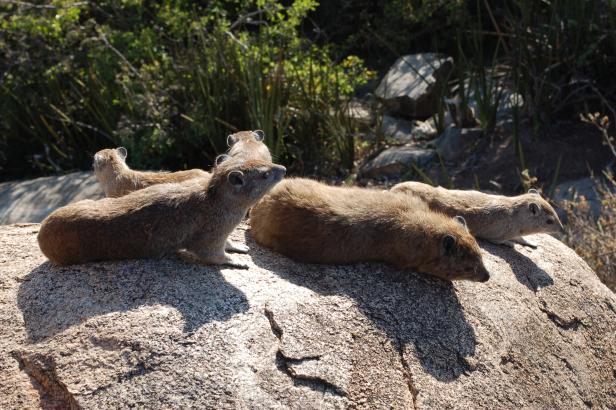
54,299
525,270
413,310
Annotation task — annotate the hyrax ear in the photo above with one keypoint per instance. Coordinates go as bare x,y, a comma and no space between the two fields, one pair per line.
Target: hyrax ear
231,140
449,242
259,135
220,159
534,208
122,152
533,191
236,178
460,219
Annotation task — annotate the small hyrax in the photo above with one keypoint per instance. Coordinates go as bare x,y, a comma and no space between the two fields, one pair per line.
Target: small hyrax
117,179
248,145
316,223
496,218
196,216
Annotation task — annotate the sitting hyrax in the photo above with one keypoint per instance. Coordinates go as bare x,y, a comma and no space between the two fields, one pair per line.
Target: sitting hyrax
496,218
316,223
196,216
118,179
248,145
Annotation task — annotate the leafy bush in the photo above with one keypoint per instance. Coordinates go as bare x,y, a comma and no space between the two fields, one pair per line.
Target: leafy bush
168,80
594,239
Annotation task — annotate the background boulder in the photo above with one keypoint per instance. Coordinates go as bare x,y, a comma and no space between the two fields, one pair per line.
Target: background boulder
33,200
168,334
411,86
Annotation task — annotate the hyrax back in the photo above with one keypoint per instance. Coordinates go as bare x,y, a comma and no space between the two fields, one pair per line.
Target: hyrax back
197,215
248,145
495,218
316,223
117,179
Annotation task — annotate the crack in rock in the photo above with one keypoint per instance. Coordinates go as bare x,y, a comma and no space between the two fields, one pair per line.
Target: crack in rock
285,363
276,330
300,379
408,374
567,324
42,372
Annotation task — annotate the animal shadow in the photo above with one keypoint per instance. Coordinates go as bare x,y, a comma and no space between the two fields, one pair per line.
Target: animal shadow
410,308
525,270
54,299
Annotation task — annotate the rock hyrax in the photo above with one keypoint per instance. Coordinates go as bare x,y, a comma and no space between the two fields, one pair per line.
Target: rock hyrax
248,145
316,223
118,179
496,218
196,216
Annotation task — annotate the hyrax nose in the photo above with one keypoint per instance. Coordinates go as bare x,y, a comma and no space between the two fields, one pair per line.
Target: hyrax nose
483,274
279,171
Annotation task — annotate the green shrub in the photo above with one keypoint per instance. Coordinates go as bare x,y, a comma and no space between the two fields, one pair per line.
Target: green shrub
168,80
594,239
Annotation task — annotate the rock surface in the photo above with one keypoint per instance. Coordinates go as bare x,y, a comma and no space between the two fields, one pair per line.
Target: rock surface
168,334
454,142
33,200
394,161
396,129
411,86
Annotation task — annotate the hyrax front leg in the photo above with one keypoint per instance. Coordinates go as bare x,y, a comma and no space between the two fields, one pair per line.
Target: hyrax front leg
214,254
231,246
501,242
523,241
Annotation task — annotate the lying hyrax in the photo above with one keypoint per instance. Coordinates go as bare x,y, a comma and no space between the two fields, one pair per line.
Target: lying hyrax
248,145
196,216
496,218
118,179
316,223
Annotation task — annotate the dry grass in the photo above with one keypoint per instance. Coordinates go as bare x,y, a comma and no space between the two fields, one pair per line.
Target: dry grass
594,239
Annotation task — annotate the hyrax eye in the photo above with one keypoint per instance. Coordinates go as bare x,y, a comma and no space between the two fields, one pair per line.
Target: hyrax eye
550,221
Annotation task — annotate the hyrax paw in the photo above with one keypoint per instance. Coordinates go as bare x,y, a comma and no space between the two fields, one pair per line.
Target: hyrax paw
236,247
236,265
526,242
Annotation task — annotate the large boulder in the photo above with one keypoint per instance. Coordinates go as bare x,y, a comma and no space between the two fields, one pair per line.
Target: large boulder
33,200
394,161
397,130
168,334
454,143
412,86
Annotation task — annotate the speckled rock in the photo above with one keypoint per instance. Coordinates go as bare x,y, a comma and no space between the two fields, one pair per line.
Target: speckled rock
396,160
168,334
33,200
411,87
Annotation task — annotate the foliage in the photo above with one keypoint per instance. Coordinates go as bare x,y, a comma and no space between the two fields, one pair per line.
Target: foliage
168,80
594,239
171,79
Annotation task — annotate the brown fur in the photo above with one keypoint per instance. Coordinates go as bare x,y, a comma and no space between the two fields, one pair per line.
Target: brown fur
196,215
316,223
495,218
248,145
117,179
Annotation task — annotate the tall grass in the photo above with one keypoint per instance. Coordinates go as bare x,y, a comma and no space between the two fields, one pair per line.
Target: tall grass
170,83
